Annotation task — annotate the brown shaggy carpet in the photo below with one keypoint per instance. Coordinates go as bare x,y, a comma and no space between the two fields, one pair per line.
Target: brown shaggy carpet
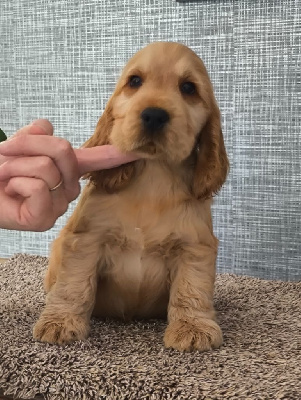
260,359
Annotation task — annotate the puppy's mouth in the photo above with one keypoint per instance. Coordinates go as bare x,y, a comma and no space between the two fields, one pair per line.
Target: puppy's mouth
148,148
152,148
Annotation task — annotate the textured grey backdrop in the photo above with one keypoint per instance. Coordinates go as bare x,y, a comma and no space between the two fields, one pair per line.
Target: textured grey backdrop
60,60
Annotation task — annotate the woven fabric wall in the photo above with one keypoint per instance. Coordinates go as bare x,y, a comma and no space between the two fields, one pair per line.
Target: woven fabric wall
60,60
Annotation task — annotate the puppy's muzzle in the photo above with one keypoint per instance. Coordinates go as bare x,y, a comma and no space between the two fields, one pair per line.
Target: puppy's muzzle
154,119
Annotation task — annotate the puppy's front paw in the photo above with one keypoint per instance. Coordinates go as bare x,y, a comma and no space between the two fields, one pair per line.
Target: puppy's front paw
60,329
204,334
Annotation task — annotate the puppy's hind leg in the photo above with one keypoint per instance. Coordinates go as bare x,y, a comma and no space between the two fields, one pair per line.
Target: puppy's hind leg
70,302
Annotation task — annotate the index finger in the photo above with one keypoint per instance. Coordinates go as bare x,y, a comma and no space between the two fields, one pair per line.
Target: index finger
101,157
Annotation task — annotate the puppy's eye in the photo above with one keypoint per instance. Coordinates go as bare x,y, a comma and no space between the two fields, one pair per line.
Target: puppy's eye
135,81
188,88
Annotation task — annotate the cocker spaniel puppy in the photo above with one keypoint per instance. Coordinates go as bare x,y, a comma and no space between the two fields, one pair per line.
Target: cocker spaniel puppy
140,243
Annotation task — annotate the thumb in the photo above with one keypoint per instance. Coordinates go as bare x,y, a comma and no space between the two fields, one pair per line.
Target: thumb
44,124
37,127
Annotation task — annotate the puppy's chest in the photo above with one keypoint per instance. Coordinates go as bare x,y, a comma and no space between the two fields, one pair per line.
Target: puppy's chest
152,203
149,221
152,230
146,230
145,233
154,212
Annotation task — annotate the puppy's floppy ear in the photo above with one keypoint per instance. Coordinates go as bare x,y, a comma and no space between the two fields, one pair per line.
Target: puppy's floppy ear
212,162
109,179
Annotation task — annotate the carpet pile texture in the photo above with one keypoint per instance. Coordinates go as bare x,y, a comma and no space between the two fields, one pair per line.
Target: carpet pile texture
260,358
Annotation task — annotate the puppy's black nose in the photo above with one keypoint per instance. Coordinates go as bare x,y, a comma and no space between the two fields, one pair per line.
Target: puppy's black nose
154,119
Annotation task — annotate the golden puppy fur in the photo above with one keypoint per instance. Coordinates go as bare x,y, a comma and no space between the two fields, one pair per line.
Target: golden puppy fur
140,243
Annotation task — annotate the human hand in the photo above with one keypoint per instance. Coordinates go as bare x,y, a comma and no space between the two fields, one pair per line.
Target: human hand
39,175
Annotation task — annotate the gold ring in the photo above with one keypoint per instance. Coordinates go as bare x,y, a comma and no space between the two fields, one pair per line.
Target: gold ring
56,186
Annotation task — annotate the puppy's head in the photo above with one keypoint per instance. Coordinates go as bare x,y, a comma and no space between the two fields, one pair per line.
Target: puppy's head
164,108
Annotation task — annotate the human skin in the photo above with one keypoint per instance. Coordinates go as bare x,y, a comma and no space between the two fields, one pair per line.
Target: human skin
32,162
